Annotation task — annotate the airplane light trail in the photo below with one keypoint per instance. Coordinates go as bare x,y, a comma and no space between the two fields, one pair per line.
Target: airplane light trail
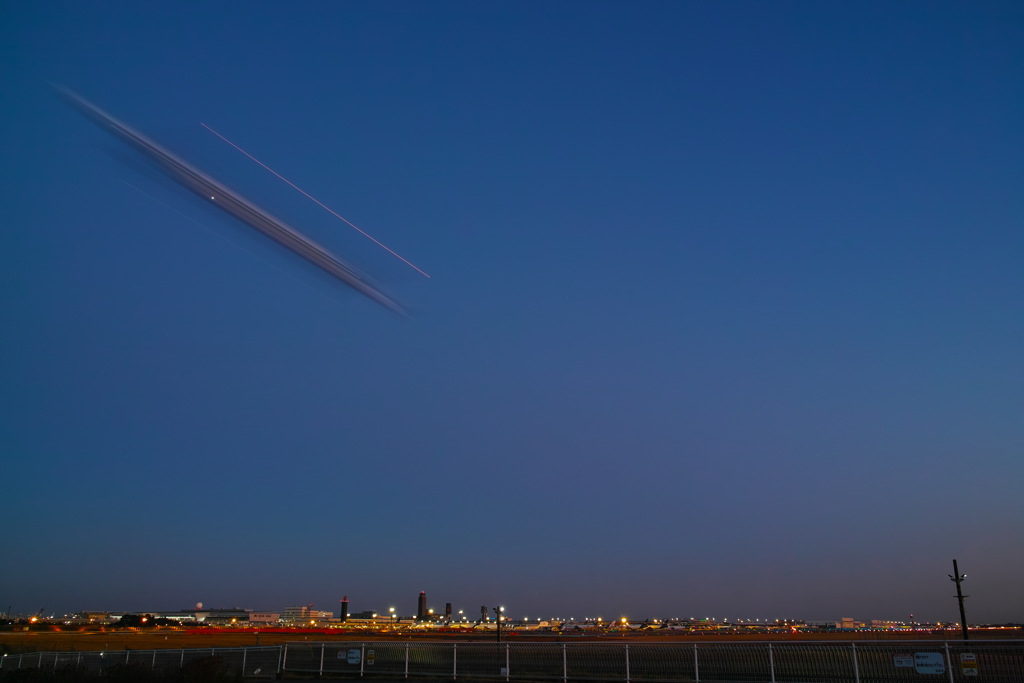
231,202
329,209
218,234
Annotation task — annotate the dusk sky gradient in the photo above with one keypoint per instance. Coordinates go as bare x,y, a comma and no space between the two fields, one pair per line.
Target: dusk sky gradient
725,314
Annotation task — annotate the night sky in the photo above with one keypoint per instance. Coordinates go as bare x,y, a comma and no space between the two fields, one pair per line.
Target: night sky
724,315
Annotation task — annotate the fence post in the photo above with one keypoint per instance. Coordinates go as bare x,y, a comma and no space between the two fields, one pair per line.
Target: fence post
323,646
949,658
79,662
407,660
181,664
362,658
771,661
856,669
506,662
282,655
565,666
153,665
455,660
245,653
627,663
696,665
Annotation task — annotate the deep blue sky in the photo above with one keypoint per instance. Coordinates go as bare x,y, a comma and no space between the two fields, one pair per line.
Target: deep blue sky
725,316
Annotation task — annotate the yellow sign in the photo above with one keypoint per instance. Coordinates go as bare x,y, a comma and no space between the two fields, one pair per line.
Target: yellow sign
968,664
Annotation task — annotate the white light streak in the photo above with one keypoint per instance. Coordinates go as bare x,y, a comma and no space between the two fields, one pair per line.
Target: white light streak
327,208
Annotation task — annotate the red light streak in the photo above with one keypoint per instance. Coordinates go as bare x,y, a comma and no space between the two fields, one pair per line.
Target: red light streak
327,208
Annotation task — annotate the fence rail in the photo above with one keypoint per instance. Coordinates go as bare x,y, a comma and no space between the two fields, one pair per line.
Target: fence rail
860,662
635,662
248,662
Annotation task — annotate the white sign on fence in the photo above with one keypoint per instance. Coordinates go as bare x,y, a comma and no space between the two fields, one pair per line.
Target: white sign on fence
929,663
968,664
903,660
354,656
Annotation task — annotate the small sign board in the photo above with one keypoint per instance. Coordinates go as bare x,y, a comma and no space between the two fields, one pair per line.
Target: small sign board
354,656
929,663
906,660
968,664
369,657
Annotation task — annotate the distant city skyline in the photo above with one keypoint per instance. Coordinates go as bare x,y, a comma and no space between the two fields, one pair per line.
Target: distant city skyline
425,608
310,615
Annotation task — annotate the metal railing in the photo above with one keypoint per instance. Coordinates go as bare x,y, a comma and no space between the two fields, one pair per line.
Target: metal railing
751,662
249,662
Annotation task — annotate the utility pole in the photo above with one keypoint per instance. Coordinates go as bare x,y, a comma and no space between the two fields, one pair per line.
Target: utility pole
497,613
958,578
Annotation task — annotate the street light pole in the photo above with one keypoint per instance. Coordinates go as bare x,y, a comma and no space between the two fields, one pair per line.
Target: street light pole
497,613
958,578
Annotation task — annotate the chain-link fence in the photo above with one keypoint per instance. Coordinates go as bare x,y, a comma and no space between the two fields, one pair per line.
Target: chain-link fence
247,662
861,662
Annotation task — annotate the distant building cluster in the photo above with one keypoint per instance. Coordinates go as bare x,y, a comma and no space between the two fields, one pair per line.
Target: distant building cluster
305,616
850,624
293,616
